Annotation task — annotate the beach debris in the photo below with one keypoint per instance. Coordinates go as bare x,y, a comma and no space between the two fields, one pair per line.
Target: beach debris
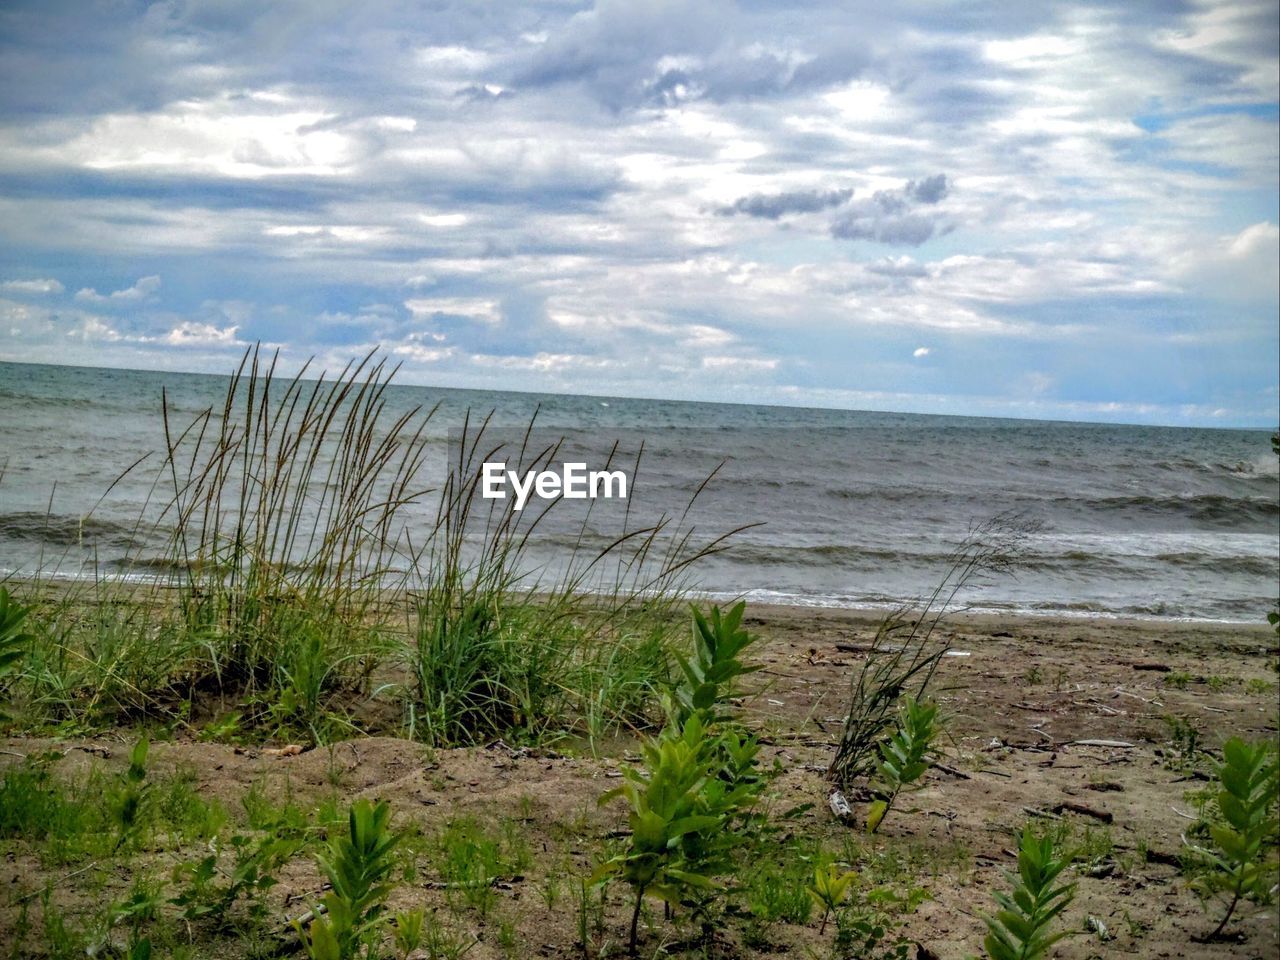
957,653
1116,744
840,807
1068,806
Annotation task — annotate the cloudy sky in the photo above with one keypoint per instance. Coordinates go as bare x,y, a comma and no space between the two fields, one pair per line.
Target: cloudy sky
1026,209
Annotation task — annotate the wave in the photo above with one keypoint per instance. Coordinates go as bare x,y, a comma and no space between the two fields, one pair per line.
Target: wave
61,530
1212,508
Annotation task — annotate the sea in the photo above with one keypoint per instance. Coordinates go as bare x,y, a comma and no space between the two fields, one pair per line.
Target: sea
831,508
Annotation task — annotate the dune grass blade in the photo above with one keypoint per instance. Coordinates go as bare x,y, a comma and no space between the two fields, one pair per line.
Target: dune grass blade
904,652
501,647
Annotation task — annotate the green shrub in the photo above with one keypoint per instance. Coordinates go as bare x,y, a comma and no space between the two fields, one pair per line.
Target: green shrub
358,866
1243,829
693,799
904,757
1022,927
13,642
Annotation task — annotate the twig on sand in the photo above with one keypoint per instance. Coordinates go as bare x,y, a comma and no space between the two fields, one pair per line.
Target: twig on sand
31,896
1085,811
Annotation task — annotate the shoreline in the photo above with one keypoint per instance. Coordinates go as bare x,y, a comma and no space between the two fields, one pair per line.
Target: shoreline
866,613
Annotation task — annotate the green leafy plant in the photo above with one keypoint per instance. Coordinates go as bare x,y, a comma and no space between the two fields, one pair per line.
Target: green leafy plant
13,642
1242,863
209,893
407,931
904,757
666,800
709,674
131,793
829,888
358,866
1022,927
1184,737
905,653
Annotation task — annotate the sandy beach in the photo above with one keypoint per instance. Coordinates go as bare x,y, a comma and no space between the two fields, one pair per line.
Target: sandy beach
1067,722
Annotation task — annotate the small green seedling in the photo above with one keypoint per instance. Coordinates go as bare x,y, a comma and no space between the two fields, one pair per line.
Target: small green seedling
905,756
357,866
1021,928
665,799
1242,864
407,932
13,641
829,889
710,673
132,792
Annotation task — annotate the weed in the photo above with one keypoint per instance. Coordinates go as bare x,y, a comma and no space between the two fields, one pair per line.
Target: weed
1021,928
208,892
1033,677
1243,830
905,655
665,799
13,642
904,757
358,866
470,860
131,793
1184,736
829,888
407,931
1177,679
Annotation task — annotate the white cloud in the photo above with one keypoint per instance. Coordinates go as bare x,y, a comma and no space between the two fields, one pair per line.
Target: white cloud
919,352
143,289
189,333
472,308
32,286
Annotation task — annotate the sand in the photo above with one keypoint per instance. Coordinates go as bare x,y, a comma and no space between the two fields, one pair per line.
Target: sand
1021,701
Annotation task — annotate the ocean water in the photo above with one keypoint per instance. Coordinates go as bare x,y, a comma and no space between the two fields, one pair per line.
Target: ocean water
854,509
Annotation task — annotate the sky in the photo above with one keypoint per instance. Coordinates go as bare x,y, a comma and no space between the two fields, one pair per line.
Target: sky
1063,210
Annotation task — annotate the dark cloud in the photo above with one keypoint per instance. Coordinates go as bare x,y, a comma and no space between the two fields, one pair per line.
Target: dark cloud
908,230
889,216
929,190
771,206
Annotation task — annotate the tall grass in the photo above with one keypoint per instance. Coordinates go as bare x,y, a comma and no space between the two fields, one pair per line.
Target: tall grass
503,647
287,510
905,652
294,583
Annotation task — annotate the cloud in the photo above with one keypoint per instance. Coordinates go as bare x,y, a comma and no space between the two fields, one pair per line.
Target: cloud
670,198
888,217
468,308
41,286
142,290
192,334
919,352
929,190
772,206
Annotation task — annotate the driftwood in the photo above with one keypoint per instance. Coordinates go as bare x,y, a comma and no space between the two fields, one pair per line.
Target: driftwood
1168,859
1117,744
1153,667
1072,807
